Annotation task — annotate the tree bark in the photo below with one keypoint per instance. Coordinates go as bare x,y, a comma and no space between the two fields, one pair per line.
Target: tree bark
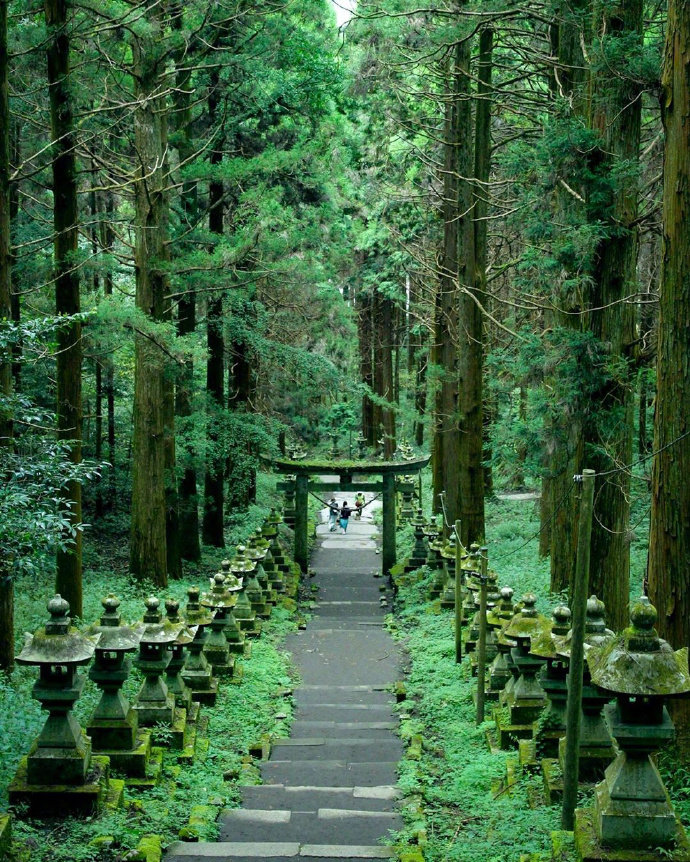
213,520
108,242
190,548
445,445
472,245
616,109
564,434
669,543
6,582
152,386
68,580
364,328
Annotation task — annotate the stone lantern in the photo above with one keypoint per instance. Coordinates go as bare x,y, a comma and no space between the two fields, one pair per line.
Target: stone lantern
271,573
197,672
289,512
553,681
632,818
242,565
173,673
54,775
154,703
418,557
61,752
221,600
361,442
501,614
527,698
113,727
596,745
407,489
245,615
255,558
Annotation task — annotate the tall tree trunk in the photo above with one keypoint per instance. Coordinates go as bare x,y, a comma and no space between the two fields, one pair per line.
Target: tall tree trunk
108,243
241,475
364,328
6,582
65,248
152,385
669,541
445,445
470,505
564,443
616,110
98,366
384,342
15,302
472,244
213,521
190,548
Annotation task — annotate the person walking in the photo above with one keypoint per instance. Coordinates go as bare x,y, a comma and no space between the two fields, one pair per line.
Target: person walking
359,506
345,513
332,514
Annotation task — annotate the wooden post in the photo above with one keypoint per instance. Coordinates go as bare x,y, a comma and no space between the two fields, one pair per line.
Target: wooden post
458,595
301,519
577,653
481,643
389,557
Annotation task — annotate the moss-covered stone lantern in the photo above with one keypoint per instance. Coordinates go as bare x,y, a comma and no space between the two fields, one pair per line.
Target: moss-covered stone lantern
274,575
527,698
173,673
197,672
59,775
113,727
632,818
245,615
221,600
154,703
247,568
407,490
553,681
60,755
496,620
596,744
418,557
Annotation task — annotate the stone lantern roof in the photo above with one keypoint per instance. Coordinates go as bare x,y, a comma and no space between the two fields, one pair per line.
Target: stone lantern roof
58,642
639,662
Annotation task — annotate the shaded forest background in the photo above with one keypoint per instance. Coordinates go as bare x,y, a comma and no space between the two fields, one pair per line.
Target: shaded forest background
228,227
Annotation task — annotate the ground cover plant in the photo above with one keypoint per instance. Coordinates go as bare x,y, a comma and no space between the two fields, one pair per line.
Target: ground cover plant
241,715
455,789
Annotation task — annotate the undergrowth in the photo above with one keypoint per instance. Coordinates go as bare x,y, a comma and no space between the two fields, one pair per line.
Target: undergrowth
241,715
468,814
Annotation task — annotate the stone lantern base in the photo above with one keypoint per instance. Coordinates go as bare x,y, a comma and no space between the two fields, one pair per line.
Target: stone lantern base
589,848
60,800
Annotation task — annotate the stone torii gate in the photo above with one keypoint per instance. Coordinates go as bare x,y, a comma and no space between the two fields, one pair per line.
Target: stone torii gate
303,472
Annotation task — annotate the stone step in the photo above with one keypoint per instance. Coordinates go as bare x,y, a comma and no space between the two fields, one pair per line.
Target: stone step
321,748
374,730
307,798
343,694
323,826
339,712
277,851
336,773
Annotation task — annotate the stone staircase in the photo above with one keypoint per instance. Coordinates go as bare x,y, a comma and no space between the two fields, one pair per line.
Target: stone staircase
329,790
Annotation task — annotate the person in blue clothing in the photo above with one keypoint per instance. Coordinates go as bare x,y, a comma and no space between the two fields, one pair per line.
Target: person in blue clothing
345,513
332,514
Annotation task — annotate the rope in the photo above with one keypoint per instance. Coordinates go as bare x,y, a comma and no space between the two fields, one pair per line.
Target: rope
547,523
328,505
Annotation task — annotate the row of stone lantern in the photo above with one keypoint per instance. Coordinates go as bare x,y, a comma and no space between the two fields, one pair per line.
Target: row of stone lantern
181,655
623,718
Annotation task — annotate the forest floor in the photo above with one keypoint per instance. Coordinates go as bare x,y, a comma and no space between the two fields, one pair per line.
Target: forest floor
455,807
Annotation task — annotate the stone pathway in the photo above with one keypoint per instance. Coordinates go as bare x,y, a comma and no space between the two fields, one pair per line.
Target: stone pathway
329,790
